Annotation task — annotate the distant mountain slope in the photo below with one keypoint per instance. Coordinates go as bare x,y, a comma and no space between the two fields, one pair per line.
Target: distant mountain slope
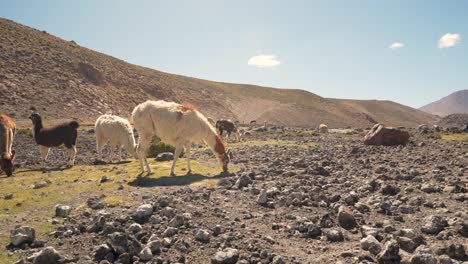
456,102
64,80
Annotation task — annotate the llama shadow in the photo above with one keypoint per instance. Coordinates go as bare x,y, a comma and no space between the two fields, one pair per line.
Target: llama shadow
174,180
44,170
101,162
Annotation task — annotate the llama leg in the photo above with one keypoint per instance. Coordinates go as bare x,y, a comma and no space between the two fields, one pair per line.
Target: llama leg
99,146
143,142
120,152
187,153
44,153
71,156
177,151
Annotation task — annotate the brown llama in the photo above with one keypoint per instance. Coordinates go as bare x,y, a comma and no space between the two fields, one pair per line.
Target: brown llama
228,126
48,137
7,134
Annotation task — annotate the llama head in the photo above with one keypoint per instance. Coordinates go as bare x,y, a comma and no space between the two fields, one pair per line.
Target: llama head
6,162
35,118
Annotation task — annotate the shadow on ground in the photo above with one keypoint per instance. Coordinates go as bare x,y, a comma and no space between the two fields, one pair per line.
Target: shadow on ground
174,180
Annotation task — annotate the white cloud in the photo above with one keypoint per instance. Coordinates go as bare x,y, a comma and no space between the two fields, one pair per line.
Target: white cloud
396,45
263,61
449,40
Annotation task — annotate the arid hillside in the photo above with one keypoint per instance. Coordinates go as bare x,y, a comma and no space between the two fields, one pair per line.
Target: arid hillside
455,103
61,79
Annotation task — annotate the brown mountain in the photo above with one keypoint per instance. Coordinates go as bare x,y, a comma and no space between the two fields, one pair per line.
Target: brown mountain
454,103
64,80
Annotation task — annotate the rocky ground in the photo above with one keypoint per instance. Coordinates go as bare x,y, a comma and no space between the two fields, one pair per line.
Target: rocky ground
297,197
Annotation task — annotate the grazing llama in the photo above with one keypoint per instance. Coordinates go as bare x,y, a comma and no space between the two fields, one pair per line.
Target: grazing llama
48,137
177,125
228,126
116,131
7,134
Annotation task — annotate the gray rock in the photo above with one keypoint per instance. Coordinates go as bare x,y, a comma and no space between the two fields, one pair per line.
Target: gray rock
346,217
154,245
170,231
21,235
145,254
143,213
444,259
390,253
101,251
202,235
434,224
62,210
41,184
226,256
333,235
243,181
262,198
47,256
165,156
390,190
119,242
371,244
135,228
177,221
407,244
277,260
423,255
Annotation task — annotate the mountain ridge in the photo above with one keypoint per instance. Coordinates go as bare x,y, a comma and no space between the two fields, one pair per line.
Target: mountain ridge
454,103
64,80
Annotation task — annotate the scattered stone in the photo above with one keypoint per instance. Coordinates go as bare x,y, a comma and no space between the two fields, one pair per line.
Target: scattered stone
262,198
46,256
62,210
243,181
434,225
390,253
95,203
346,217
203,236
371,244
333,235
226,256
21,235
143,213
41,184
165,156
390,190
8,196
145,254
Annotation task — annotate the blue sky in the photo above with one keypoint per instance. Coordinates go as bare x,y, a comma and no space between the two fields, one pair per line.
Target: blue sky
335,49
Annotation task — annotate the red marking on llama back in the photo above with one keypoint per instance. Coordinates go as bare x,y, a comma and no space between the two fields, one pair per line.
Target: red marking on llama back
187,107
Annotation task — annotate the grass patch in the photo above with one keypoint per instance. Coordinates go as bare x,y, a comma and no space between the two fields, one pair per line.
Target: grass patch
35,207
456,137
25,132
433,135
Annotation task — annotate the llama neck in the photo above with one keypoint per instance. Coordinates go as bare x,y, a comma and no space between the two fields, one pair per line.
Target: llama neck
130,143
215,142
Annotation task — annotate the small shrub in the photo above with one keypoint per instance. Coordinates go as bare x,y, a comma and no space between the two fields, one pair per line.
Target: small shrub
25,132
156,147
433,136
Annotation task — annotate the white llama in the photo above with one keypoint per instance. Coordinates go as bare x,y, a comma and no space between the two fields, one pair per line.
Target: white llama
116,131
177,125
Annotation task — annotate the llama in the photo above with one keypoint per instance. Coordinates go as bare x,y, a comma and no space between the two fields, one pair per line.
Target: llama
48,137
7,134
116,131
228,126
177,125
323,128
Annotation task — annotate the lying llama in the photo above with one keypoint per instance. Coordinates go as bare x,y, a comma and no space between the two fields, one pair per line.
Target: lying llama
323,128
177,125
116,131
228,126
65,133
7,133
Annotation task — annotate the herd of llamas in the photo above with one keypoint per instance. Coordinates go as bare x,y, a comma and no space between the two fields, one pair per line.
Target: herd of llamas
175,124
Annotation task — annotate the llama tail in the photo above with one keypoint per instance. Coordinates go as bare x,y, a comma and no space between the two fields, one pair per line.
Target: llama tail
74,124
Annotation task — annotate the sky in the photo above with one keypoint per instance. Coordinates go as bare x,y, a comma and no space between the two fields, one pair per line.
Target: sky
412,52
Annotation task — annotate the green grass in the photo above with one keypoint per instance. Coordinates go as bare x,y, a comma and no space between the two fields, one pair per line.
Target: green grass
73,186
456,137
25,132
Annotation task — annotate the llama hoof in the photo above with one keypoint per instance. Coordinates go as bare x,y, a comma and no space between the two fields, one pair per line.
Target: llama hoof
172,174
189,172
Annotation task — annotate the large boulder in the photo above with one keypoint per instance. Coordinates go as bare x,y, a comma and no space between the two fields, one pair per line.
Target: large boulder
226,256
46,256
386,136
